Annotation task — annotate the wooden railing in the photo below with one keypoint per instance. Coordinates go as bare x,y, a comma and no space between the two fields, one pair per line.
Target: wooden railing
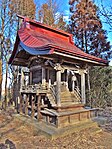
77,93
33,88
53,91
29,88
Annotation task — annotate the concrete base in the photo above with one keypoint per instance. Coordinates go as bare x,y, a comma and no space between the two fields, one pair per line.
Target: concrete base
41,128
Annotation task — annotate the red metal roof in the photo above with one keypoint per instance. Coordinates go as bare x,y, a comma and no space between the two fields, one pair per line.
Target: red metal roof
36,35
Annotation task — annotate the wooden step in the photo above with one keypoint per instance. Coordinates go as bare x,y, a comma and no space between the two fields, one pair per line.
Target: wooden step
51,100
69,97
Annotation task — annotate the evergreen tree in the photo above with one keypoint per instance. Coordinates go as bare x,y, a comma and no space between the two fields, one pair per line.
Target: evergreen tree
87,29
101,86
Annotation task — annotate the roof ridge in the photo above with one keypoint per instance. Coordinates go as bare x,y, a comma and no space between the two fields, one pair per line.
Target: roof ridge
26,19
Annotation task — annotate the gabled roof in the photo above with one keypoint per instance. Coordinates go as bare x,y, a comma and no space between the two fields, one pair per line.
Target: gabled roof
39,39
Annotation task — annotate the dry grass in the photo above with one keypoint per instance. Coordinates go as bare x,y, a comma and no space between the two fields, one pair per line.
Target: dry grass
25,137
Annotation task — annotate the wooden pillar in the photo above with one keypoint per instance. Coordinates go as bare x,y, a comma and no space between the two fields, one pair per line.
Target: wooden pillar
18,103
39,116
67,78
83,87
48,78
73,85
30,81
22,78
32,107
58,82
43,76
21,104
47,75
26,105
73,82
49,83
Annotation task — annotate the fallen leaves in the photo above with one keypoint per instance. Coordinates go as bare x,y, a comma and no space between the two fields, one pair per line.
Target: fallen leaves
24,136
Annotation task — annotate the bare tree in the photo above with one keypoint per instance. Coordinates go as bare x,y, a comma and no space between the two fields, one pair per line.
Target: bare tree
48,14
8,28
25,7
106,12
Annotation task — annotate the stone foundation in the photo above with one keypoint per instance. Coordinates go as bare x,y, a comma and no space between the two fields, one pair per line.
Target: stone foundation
65,116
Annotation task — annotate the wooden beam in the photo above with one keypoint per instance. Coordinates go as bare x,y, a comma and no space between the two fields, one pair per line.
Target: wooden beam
20,60
35,68
78,58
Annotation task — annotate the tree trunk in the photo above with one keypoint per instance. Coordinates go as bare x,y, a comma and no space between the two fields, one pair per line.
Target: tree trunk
15,85
0,79
82,40
89,87
86,46
6,76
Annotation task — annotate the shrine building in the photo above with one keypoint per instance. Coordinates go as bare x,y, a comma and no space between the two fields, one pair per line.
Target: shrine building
52,78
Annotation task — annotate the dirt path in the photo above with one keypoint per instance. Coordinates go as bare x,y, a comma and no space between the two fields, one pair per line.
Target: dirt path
16,134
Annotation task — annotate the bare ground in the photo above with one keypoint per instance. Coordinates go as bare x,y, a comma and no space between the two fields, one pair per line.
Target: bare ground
16,134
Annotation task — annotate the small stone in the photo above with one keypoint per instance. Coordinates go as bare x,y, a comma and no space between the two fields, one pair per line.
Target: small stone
10,144
2,146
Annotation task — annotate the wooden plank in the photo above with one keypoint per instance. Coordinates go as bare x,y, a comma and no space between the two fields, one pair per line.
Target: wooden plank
52,112
47,113
26,105
32,106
